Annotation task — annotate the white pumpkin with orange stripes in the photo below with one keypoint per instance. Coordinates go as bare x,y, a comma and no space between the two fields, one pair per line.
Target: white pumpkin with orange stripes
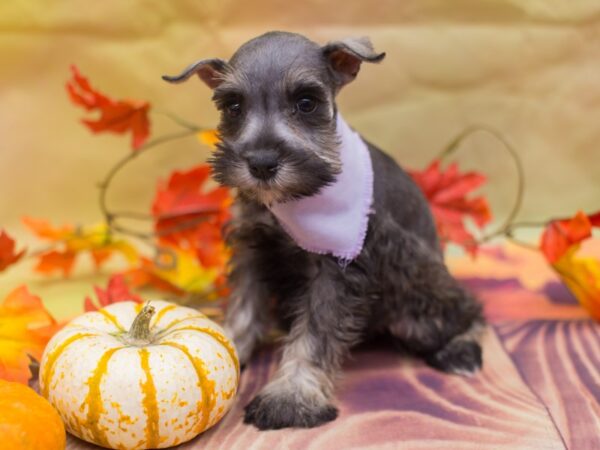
129,377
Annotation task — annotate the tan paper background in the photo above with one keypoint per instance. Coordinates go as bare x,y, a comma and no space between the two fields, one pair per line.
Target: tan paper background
529,68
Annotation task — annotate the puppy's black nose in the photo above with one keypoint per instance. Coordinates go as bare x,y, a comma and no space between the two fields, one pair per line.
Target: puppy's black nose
263,165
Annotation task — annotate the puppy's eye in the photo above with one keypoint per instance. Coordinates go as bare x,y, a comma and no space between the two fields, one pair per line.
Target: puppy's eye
306,104
233,109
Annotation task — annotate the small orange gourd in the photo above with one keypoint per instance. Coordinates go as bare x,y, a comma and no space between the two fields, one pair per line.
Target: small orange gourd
27,420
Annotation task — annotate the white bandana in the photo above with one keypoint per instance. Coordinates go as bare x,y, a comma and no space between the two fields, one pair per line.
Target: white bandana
335,220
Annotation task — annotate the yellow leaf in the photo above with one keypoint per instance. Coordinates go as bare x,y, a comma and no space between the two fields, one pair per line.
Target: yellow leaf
182,269
98,238
88,238
128,251
209,137
582,277
25,328
71,240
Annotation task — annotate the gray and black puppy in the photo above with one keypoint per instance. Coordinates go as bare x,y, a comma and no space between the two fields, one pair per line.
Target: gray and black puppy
280,133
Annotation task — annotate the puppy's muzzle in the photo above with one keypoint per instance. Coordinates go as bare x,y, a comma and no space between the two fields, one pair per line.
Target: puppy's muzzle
263,165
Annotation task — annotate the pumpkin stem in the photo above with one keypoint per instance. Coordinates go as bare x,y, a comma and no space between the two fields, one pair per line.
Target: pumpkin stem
140,328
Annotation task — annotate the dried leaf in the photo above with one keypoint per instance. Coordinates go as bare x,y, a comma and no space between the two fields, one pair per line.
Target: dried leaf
8,253
447,194
116,291
25,328
116,116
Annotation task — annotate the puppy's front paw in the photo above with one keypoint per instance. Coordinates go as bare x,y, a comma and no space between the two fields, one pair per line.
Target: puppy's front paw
274,411
459,357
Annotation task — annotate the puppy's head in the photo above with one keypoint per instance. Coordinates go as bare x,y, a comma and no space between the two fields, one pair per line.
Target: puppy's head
276,96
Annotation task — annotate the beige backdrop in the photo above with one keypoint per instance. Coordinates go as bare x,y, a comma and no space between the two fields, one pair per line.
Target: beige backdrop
530,68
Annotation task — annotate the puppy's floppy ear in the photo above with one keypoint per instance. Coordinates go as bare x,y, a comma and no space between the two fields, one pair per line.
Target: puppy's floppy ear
345,57
211,71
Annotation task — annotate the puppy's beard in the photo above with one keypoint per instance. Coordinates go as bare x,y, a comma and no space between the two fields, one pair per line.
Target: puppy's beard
266,192
294,179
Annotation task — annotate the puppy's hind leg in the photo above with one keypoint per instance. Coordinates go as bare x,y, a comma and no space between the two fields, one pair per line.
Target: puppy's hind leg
446,337
431,315
462,355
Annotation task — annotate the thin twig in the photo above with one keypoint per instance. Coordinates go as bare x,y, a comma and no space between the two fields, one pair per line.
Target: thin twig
521,243
181,227
165,232
516,225
110,217
105,183
179,121
453,146
149,237
134,215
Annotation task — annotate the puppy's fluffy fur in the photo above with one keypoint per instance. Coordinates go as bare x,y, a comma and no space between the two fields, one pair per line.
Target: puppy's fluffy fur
397,285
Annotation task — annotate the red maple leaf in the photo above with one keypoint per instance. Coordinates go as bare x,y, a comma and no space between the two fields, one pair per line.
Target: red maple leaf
8,255
116,291
594,219
562,234
191,217
447,193
116,116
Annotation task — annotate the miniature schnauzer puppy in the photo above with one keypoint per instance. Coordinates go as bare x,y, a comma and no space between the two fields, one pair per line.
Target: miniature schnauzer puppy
330,237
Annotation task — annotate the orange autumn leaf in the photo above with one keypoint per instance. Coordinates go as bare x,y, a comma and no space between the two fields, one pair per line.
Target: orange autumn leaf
447,194
116,291
8,253
560,235
116,116
69,241
190,216
582,277
25,329
55,260
144,276
46,231
209,138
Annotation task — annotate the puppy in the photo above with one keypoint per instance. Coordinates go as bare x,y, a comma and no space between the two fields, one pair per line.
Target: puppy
331,237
